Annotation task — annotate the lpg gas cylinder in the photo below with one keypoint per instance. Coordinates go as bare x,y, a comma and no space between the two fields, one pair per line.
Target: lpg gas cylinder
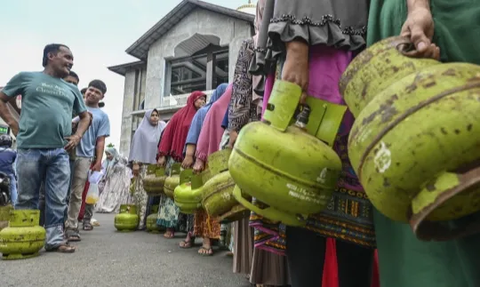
414,144
154,180
152,220
188,195
217,198
172,181
288,165
5,215
127,219
23,237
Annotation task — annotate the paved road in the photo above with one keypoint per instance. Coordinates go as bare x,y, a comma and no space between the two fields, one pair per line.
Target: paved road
109,258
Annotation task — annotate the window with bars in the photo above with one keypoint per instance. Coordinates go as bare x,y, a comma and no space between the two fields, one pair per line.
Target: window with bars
204,70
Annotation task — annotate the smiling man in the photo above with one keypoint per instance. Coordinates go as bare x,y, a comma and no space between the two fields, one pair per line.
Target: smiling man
44,135
89,157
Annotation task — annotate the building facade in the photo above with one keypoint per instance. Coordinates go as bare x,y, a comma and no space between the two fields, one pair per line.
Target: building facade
194,47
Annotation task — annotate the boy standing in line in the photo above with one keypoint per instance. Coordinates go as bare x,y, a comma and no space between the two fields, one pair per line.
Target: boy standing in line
88,157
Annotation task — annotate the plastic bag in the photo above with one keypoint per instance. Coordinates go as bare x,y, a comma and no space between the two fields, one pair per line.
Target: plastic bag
93,193
94,177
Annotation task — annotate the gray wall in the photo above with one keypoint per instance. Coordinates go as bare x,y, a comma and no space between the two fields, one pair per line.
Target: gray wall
128,97
231,32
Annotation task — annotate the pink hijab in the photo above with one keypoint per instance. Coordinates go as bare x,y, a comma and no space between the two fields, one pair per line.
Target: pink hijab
212,131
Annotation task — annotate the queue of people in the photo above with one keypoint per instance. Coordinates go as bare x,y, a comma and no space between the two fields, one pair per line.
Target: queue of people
306,42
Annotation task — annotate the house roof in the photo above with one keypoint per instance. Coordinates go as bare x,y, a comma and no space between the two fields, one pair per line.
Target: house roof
139,49
124,68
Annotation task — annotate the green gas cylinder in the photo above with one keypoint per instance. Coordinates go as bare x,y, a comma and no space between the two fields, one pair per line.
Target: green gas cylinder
287,161
188,195
217,196
154,180
415,144
127,219
5,215
23,237
173,180
152,220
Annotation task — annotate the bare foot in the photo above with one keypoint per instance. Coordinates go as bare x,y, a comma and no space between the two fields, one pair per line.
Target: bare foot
169,234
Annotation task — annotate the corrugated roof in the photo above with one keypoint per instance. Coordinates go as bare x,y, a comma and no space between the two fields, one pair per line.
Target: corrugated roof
139,49
124,68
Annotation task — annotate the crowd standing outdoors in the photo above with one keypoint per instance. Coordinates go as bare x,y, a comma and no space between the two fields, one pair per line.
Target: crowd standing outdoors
306,42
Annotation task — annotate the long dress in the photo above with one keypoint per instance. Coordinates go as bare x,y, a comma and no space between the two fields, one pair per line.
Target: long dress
403,259
115,187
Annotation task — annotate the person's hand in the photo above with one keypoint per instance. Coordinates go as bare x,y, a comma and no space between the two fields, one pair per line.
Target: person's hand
91,118
136,169
73,141
187,162
97,166
14,128
419,27
199,166
295,69
232,139
161,161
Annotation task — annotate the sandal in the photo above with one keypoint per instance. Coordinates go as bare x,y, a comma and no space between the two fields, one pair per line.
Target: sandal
72,235
87,226
62,248
184,244
204,251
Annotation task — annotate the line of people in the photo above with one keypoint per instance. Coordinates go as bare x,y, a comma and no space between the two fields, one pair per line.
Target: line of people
310,43
307,42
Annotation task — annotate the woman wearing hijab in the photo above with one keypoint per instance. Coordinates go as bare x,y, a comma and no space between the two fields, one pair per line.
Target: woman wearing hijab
115,183
310,43
206,227
212,131
170,150
142,153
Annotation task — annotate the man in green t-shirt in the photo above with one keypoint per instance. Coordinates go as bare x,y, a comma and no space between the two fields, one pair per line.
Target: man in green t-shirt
44,136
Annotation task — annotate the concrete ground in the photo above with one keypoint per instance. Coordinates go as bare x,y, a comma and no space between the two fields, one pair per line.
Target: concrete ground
108,258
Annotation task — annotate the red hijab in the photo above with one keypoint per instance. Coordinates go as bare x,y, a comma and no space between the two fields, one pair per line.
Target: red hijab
175,134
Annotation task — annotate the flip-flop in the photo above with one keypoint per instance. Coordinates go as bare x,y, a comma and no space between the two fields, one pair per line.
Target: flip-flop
62,248
186,244
207,251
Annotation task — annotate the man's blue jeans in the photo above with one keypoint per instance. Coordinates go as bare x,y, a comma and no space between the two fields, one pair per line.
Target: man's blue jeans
41,204
52,167
13,188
